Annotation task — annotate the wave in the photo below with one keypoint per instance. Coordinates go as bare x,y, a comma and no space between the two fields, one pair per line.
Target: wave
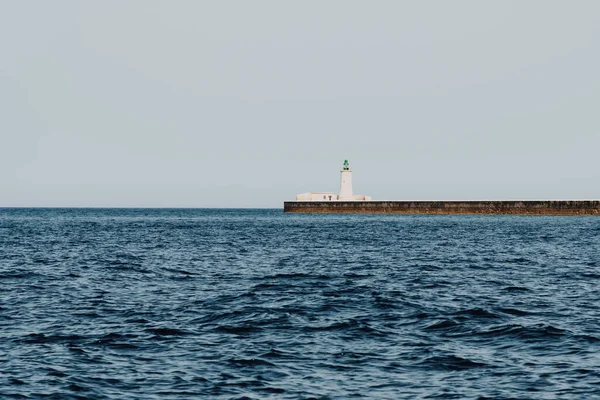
450,363
532,332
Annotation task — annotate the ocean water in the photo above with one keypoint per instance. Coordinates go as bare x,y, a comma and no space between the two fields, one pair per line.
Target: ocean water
255,304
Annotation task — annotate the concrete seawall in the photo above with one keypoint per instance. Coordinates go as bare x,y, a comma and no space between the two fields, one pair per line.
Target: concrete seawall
510,207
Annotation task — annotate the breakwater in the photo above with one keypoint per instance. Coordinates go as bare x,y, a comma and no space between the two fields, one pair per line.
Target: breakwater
510,207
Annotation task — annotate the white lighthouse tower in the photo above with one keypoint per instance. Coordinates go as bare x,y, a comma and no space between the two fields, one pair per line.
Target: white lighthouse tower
346,183
346,193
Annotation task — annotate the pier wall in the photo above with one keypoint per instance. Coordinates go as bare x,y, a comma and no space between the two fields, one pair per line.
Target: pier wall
510,207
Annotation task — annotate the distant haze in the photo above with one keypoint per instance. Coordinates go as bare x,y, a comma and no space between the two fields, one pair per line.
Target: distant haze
246,103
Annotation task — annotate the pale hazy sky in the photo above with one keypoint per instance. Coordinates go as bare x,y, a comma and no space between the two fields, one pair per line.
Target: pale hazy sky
246,103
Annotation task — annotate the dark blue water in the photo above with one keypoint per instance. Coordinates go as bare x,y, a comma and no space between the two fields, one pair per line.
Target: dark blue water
171,304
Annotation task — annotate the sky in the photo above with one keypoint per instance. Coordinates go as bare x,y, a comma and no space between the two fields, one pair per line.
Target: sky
146,103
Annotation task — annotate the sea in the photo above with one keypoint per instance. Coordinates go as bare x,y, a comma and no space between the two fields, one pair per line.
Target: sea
258,304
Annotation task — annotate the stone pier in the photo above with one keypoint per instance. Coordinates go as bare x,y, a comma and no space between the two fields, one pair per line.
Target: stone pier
493,207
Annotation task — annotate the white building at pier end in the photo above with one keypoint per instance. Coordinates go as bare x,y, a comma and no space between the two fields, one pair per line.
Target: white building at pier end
346,193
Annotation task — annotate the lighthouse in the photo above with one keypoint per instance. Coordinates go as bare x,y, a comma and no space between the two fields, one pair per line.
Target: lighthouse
346,182
346,193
